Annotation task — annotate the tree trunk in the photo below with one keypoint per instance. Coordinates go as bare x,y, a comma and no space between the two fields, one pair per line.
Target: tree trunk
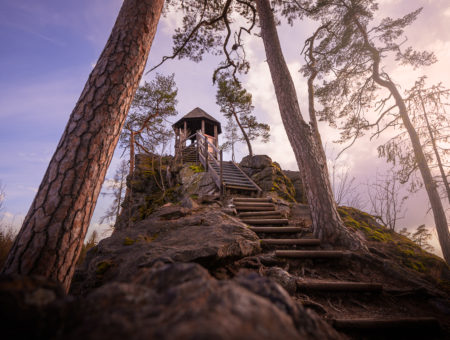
435,201
436,152
53,231
250,151
327,224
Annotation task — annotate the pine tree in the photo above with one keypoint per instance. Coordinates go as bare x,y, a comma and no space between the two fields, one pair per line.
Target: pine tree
421,236
235,102
50,240
349,57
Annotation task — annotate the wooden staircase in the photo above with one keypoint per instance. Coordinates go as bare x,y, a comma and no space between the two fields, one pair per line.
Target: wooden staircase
227,175
233,177
273,228
190,154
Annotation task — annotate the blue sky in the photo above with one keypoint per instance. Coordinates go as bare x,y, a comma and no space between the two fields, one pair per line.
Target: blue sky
48,48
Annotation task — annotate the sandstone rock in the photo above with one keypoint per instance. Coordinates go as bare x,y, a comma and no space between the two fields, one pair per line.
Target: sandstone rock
294,176
269,176
171,235
182,301
283,278
255,163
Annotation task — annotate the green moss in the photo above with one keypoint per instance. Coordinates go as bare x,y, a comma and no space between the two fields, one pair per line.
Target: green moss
103,266
128,241
194,196
365,223
282,185
147,238
197,168
396,247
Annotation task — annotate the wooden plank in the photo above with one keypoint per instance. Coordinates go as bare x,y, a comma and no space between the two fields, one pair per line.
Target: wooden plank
274,214
260,213
276,229
252,199
240,187
266,221
249,208
323,254
340,286
291,241
253,204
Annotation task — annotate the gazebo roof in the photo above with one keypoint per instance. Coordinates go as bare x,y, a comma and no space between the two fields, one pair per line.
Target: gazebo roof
197,114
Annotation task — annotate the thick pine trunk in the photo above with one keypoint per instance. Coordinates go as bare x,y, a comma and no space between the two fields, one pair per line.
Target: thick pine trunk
327,224
52,234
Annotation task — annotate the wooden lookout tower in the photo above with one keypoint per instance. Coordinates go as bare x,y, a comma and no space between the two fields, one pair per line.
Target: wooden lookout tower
186,133
197,140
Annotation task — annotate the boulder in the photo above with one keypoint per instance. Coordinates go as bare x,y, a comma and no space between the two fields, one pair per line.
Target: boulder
269,176
167,301
171,235
294,176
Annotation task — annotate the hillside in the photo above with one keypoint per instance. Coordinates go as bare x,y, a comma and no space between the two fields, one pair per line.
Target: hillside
184,264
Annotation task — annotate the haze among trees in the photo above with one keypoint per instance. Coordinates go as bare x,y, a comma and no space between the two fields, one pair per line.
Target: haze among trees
51,238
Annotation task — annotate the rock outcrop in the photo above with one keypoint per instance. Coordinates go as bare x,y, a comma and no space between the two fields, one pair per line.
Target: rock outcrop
269,176
165,278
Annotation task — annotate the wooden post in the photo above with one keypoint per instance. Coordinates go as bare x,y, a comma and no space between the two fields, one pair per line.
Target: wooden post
203,126
221,173
185,132
197,140
206,152
215,140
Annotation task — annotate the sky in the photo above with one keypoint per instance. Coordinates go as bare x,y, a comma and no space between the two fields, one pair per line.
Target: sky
49,47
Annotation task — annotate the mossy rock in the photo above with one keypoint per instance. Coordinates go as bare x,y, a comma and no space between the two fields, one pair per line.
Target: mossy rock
396,247
103,266
128,241
197,168
359,220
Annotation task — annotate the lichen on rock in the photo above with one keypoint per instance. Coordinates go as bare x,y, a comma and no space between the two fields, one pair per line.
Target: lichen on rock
269,176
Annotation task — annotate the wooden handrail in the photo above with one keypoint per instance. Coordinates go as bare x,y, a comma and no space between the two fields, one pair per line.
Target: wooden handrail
202,145
204,137
251,181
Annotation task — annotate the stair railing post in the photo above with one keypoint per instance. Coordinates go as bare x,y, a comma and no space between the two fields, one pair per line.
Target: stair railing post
206,153
221,173
198,149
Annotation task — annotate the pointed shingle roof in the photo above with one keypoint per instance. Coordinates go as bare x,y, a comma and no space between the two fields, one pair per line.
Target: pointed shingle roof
198,113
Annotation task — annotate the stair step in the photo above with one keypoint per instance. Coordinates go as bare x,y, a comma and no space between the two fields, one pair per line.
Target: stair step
276,229
411,323
238,187
255,214
309,253
271,215
291,241
252,208
255,204
239,184
236,181
250,199
340,286
267,221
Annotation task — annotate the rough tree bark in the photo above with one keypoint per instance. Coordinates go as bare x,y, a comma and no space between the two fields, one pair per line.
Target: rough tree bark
430,186
52,234
435,149
327,224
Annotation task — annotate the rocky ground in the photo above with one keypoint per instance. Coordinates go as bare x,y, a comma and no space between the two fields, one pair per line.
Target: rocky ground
191,269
